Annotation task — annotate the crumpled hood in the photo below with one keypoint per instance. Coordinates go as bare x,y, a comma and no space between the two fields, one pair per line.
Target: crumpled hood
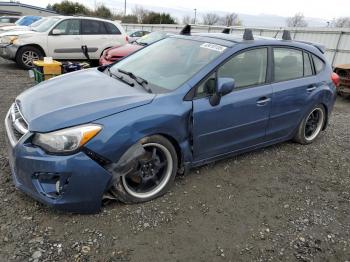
77,98
22,33
14,28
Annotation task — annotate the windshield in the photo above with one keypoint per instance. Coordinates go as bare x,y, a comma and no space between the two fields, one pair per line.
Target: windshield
151,38
27,20
46,25
37,23
174,61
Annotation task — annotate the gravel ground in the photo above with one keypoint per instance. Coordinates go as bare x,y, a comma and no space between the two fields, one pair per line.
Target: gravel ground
283,203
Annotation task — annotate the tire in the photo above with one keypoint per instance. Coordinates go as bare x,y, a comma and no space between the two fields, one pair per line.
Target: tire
124,188
311,126
26,55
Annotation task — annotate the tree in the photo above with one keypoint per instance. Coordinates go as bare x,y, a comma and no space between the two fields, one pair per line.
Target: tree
210,18
158,18
341,22
103,11
187,20
140,12
70,8
231,19
132,19
298,20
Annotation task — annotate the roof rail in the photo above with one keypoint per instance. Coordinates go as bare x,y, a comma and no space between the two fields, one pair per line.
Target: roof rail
286,35
248,34
186,30
226,30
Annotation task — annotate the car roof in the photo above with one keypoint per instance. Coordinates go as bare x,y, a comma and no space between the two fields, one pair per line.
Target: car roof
90,18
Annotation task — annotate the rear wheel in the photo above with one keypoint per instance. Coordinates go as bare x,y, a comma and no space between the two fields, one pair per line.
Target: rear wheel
154,174
311,126
27,55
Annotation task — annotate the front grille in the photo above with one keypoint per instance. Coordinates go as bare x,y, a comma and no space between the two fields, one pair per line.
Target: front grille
16,126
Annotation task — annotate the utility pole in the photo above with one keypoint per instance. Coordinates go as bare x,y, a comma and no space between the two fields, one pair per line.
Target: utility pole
124,7
195,15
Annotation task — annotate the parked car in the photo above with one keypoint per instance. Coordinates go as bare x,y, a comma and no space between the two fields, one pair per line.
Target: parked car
62,38
124,131
23,24
8,20
117,53
134,35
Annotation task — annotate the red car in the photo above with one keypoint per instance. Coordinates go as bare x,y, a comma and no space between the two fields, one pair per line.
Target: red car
116,53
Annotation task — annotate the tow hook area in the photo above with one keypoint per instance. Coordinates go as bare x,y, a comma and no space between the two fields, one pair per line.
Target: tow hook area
127,164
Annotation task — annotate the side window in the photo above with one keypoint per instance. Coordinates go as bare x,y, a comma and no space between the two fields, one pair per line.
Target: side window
69,27
319,64
288,64
247,68
93,27
112,29
307,65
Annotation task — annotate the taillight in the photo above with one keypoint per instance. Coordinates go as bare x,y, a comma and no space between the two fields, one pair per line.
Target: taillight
336,79
127,38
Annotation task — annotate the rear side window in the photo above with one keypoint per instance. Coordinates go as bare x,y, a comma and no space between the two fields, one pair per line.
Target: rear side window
93,27
319,64
288,64
307,65
247,68
112,29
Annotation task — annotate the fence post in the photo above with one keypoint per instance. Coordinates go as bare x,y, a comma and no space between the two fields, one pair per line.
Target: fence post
337,47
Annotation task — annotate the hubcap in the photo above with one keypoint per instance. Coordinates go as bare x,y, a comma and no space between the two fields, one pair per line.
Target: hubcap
314,124
153,172
28,57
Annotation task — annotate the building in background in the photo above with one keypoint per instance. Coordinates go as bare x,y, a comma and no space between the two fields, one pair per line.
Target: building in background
19,9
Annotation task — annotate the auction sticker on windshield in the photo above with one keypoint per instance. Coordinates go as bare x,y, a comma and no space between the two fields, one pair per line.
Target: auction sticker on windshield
214,47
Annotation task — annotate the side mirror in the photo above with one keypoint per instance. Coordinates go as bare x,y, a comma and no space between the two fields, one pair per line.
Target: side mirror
224,86
56,32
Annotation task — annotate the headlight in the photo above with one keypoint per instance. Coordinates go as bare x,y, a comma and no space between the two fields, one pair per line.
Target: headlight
66,140
9,39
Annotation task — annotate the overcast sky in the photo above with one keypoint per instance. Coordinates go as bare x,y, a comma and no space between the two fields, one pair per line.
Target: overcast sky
310,8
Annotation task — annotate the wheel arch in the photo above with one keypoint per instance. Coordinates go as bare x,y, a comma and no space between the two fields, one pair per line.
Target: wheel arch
33,45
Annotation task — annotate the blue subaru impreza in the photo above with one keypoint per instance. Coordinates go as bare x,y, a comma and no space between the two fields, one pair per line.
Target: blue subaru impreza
124,131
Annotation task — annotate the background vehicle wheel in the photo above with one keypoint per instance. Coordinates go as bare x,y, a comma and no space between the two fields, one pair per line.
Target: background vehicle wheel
311,126
26,55
154,175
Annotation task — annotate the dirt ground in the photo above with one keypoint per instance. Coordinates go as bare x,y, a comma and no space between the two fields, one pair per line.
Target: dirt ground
284,203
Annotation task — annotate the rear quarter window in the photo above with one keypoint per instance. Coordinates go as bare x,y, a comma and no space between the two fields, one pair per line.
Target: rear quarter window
288,64
93,27
319,64
112,29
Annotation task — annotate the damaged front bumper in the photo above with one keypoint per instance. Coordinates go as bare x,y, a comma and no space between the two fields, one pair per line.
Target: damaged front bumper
74,183
8,51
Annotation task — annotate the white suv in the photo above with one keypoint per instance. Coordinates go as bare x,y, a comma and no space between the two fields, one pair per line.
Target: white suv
62,37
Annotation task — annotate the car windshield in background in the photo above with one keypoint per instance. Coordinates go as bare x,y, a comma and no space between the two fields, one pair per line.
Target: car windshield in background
169,63
46,25
27,20
151,38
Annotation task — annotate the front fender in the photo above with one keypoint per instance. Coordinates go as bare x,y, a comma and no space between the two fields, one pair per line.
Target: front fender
123,130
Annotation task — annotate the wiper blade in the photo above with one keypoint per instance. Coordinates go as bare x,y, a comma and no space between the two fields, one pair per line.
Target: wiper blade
120,78
142,82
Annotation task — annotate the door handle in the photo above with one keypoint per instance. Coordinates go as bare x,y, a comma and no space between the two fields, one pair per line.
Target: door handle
263,101
311,88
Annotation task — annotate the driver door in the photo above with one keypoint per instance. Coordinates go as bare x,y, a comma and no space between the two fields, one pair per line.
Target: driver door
67,44
240,120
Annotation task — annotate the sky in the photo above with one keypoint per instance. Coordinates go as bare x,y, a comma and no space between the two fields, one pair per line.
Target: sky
310,8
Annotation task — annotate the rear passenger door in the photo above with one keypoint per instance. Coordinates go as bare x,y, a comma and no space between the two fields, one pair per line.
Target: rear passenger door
293,85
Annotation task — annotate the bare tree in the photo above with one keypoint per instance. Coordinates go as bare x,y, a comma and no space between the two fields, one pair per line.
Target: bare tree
140,12
230,19
298,20
341,22
187,20
210,18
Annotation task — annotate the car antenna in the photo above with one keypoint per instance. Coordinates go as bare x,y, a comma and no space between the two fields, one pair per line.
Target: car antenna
248,34
286,35
186,30
226,30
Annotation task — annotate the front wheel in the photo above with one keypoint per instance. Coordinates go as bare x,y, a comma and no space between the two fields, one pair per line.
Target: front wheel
153,175
27,55
311,126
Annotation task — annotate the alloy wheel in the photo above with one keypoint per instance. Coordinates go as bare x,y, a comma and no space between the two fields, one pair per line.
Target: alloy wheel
314,123
29,57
